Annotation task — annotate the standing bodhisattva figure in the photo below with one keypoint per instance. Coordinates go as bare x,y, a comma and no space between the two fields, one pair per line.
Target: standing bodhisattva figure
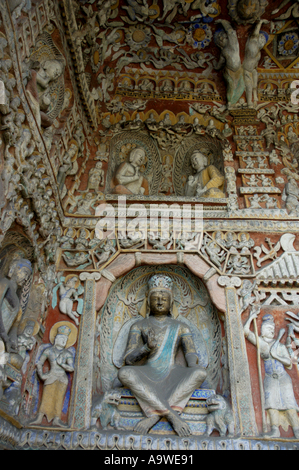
56,380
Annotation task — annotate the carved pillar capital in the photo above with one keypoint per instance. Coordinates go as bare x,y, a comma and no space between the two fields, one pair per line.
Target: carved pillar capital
90,276
229,282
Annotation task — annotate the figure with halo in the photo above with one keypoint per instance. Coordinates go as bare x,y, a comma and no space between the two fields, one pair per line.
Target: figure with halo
161,387
61,357
207,182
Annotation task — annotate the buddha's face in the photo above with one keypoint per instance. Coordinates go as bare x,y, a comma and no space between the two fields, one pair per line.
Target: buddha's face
160,303
53,69
199,161
137,157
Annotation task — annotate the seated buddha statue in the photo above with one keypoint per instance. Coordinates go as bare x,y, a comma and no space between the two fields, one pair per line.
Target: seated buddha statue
207,182
128,179
161,386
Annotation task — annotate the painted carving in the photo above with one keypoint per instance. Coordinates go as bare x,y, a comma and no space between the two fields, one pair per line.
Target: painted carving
135,169
270,254
128,179
105,409
4,358
207,182
254,45
19,273
26,340
291,197
158,385
246,11
293,10
214,251
61,358
279,405
248,294
68,167
79,260
70,290
220,416
226,39
45,87
104,252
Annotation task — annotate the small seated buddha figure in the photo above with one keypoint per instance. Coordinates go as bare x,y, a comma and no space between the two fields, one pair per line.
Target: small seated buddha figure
207,182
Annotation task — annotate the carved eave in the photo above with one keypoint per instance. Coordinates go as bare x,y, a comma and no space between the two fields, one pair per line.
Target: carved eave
283,272
70,23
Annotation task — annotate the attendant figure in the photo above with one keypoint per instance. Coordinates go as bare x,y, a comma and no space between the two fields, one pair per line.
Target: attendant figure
279,397
56,380
207,181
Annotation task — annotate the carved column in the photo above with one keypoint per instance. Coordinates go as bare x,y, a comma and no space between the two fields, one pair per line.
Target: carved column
241,392
82,389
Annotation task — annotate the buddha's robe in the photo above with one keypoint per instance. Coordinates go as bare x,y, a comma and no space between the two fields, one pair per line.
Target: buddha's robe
159,383
209,178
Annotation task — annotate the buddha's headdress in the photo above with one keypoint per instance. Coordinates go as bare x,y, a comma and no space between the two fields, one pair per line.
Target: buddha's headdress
160,282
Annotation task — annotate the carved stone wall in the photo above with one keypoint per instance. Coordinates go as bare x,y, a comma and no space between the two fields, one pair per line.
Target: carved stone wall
128,114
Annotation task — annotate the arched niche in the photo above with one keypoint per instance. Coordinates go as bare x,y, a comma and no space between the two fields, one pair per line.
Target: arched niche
122,308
